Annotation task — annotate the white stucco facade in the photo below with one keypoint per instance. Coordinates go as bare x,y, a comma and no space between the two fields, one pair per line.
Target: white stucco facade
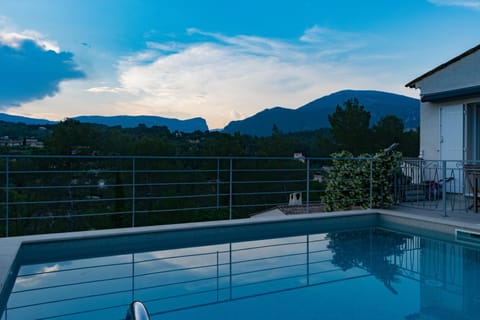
429,131
446,93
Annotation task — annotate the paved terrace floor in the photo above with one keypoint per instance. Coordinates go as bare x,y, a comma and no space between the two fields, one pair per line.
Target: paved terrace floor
457,215
460,216
459,209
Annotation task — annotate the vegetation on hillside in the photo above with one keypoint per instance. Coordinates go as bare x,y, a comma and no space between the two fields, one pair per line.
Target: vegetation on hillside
55,194
350,131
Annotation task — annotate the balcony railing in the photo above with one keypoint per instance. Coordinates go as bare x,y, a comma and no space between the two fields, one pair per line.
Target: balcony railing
42,194
437,185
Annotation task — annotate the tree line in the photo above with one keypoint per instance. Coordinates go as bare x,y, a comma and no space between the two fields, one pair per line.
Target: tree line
350,130
82,194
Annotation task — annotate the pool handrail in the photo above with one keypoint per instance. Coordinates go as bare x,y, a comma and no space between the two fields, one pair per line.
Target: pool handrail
137,311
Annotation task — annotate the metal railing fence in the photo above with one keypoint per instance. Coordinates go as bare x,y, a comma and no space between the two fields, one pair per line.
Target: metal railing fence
43,194
438,185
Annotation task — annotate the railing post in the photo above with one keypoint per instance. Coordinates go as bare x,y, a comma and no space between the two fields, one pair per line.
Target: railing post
218,183
7,204
133,191
218,277
371,184
308,186
230,275
133,277
230,196
308,259
444,189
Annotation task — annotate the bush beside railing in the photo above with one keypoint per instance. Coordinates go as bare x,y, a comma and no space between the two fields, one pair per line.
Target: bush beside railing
365,182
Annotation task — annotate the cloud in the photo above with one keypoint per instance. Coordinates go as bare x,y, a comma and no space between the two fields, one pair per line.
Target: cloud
105,89
470,4
37,277
345,41
224,78
32,68
15,40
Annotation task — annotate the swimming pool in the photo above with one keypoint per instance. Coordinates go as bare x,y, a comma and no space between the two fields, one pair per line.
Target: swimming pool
301,270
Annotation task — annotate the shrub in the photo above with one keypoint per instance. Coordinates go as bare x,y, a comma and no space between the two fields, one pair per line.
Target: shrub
350,180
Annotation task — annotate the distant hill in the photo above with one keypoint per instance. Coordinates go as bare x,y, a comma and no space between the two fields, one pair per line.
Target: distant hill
28,121
314,115
189,125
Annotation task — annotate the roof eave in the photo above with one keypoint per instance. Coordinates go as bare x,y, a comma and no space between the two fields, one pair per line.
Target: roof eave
451,95
413,84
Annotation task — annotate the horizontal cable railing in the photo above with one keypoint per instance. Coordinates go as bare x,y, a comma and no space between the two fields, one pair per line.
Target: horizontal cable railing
44,194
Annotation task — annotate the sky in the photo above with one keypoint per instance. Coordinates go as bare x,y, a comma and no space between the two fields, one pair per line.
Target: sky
221,60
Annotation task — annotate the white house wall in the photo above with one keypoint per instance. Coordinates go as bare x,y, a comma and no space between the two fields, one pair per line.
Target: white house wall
430,140
430,127
460,74
429,131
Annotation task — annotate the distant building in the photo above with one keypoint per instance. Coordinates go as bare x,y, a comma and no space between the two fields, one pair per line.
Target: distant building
318,176
299,156
6,141
34,143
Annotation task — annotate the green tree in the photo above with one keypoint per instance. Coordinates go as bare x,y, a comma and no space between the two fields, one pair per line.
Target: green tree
152,146
72,137
351,127
324,142
116,141
410,143
222,144
387,130
276,130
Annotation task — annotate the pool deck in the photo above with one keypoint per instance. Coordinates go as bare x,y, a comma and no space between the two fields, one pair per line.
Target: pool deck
413,217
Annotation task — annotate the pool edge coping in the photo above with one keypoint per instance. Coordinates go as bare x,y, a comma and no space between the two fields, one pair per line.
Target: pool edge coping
10,247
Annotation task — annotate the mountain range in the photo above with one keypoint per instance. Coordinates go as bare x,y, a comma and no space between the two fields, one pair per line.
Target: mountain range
311,116
189,125
314,115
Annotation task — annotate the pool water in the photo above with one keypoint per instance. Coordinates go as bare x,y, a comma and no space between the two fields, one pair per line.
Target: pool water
363,274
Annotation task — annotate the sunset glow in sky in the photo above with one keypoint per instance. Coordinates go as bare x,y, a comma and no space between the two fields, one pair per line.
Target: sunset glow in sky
217,59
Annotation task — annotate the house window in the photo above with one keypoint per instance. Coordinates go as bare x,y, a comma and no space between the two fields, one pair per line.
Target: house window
472,132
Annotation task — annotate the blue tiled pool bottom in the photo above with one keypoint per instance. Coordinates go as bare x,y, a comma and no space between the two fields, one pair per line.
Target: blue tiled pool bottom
364,274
